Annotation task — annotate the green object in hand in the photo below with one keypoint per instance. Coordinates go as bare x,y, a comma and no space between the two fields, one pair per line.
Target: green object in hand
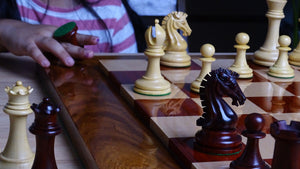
64,29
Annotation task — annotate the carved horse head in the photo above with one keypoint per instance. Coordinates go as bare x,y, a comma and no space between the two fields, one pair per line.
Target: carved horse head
173,22
218,114
229,87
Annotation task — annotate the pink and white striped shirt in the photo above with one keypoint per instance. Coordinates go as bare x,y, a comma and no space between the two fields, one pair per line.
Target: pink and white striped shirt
116,25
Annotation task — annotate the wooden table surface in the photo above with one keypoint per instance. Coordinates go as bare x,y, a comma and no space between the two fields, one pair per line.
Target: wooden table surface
12,69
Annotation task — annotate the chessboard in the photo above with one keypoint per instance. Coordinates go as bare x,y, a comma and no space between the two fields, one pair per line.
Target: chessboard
172,118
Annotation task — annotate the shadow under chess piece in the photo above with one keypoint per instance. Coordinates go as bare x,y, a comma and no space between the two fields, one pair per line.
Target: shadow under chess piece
175,45
240,65
281,68
251,158
218,134
207,51
45,128
153,83
267,53
17,153
287,145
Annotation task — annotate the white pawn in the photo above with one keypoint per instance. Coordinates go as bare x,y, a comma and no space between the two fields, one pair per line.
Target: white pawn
207,51
240,65
153,83
17,153
281,68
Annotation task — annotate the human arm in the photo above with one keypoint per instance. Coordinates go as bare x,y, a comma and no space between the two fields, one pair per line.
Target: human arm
21,38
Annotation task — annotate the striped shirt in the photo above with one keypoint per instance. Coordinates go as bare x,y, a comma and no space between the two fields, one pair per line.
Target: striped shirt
116,32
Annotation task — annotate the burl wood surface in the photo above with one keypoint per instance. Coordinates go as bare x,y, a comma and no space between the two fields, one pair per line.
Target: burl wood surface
101,125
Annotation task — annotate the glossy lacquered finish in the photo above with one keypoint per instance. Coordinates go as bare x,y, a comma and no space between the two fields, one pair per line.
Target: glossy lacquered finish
101,125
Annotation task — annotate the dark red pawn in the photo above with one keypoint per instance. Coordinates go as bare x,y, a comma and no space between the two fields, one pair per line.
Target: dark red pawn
45,128
251,158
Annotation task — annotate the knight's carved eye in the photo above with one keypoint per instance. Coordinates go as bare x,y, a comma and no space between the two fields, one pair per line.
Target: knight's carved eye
224,77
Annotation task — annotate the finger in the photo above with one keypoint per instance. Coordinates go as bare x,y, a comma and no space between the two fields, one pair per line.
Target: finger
51,45
33,51
77,52
87,39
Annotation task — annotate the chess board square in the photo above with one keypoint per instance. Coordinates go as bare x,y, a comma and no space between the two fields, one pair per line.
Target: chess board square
277,104
194,66
173,127
294,88
288,117
247,108
181,75
169,107
122,77
124,64
264,89
130,95
264,73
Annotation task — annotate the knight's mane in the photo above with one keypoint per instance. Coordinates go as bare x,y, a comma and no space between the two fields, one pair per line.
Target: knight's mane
165,20
203,86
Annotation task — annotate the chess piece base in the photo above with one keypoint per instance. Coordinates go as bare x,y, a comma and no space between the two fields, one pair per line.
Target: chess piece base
281,73
218,142
245,73
157,87
195,86
176,59
8,163
236,165
265,57
294,58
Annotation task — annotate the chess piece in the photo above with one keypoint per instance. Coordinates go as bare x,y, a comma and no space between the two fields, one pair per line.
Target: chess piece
45,127
175,45
152,83
294,57
281,68
287,145
251,157
207,51
268,53
240,65
67,33
218,134
17,153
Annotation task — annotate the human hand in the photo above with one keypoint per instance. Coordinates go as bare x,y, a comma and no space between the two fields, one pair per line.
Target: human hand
21,38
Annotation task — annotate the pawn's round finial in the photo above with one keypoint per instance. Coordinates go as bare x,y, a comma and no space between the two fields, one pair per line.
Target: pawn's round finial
284,41
254,122
207,50
156,21
242,38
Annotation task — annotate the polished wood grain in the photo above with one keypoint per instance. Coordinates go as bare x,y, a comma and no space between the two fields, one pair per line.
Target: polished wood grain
102,126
